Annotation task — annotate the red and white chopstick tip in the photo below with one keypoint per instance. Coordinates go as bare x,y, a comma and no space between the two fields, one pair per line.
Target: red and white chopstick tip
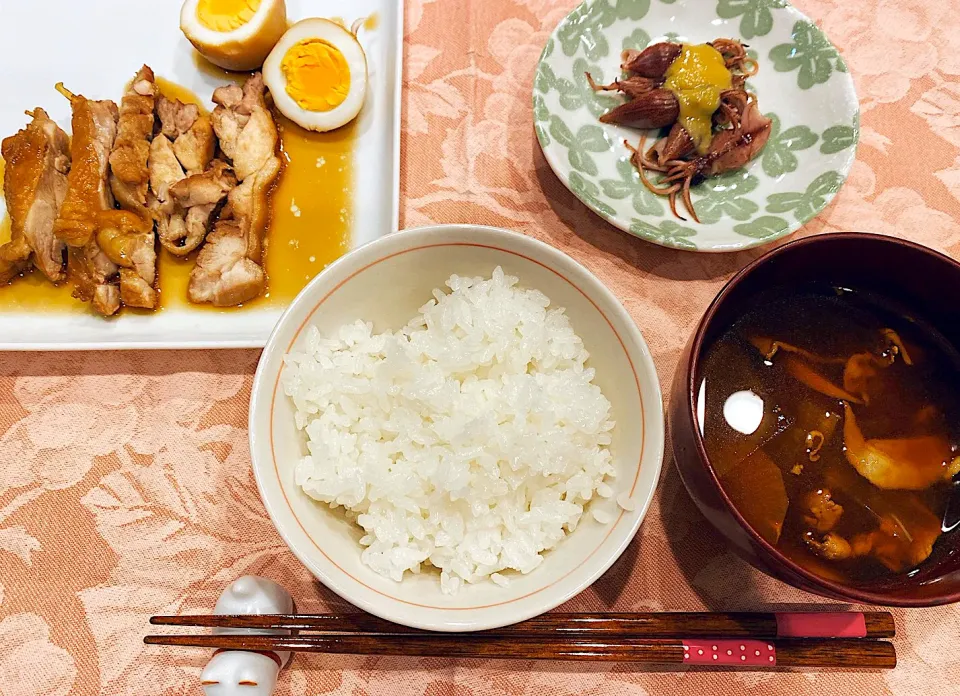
751,653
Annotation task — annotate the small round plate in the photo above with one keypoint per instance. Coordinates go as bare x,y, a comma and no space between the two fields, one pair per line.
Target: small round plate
803,85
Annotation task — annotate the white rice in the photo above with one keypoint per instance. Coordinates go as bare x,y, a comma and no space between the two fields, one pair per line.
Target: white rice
626,502
471,439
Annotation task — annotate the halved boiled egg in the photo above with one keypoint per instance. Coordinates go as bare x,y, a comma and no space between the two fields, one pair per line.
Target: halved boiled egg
317,74
234,34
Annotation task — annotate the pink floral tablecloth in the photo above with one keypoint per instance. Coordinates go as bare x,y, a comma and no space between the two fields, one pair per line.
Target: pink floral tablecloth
125,483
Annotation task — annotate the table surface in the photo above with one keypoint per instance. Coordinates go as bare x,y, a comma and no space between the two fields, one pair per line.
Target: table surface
125,483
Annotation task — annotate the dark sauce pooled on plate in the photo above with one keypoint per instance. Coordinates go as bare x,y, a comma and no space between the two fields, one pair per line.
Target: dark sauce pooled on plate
832,419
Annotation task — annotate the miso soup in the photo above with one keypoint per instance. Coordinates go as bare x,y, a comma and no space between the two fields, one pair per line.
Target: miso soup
831,417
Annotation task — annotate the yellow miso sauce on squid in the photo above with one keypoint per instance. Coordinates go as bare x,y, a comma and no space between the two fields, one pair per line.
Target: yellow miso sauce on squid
697,78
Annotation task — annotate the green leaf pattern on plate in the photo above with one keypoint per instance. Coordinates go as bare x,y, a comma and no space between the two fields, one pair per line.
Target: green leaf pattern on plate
777,157
587,191
597,102
668,233
542,135
838,138
807,204
638,40
548,48
811,52
571,96
725,195
756,19
585,25
586,30
575,91
540,114
540,110
544,80
592,138
583,162
763,227
632,9
559,130
569,34
588,139
629,185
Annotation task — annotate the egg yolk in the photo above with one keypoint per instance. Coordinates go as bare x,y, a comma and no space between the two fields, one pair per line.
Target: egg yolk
697,78
226,15
317,75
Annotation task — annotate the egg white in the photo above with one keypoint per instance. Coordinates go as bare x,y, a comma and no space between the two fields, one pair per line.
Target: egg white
243,48
341,39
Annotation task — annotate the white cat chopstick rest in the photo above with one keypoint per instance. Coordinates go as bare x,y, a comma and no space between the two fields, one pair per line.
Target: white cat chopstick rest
242,672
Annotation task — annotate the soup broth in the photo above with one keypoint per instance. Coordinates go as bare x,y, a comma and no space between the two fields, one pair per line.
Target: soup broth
831,419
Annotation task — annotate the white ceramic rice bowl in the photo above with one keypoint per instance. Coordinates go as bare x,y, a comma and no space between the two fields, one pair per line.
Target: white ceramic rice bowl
386,282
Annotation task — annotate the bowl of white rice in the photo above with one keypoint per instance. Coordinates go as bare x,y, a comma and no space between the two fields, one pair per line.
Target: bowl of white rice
456,428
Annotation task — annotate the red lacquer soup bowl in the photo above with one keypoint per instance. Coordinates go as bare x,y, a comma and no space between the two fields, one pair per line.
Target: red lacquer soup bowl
923,280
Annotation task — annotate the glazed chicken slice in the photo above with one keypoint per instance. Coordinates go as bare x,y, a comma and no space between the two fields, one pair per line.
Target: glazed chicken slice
34,186
183,152
229,268
165,172
14,258
184,206
134,250
100,238
93,276
88,195
94,132
190,132
199,196
248,135
129,176
224,275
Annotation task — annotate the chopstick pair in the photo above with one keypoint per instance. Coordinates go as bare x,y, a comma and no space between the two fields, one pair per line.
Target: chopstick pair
755,640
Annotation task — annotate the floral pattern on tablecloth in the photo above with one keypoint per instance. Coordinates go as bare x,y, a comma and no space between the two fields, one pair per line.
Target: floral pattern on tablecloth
125,485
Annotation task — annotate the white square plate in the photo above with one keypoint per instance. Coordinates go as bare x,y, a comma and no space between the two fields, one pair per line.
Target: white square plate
95,47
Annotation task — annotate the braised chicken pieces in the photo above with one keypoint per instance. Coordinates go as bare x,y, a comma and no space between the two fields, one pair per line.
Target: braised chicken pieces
229,270
34,187
109,249
88,195
154,169
129,178
134,249
187,183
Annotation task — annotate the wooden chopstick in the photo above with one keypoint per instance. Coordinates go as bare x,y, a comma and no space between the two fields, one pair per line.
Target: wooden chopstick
620,625
742,652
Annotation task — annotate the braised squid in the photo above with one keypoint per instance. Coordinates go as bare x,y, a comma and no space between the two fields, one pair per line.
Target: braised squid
699,93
